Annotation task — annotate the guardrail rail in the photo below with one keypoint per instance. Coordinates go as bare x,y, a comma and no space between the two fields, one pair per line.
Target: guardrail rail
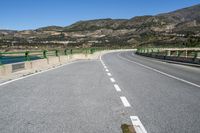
186,55
15,57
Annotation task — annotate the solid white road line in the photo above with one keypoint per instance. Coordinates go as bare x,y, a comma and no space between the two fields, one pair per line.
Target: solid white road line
117,87
112,80
125,101
109,74
107,70
163,73
137,124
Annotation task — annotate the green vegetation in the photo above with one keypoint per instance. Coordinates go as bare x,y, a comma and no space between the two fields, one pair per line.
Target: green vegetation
127,128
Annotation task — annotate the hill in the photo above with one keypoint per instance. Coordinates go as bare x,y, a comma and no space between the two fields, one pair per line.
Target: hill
177,28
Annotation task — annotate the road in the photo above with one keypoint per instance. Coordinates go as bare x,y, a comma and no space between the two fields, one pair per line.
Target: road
98,96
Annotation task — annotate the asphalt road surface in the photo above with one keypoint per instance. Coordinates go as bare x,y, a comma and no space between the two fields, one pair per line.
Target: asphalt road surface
98,96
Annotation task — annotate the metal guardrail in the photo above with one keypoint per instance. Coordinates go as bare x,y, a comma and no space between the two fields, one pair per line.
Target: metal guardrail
14,57
189,55
179,52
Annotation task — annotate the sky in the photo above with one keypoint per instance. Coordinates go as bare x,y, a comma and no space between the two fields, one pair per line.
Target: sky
32,14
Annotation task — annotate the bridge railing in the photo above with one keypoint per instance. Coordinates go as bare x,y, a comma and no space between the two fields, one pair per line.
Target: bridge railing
14,57
188,55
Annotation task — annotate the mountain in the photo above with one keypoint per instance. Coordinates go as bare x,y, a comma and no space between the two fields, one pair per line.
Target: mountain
185,14
7,31
177,28
50,28
92,25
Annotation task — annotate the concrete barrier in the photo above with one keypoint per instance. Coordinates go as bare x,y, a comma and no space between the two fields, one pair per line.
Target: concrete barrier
35,65
41,64
29,67
5,69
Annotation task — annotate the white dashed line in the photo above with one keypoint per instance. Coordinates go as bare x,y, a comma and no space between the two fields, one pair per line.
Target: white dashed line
117,87
137,124
134,119
112,80
109,74
125,101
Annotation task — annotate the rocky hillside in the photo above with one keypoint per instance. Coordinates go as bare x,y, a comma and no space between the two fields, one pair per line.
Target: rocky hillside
177,28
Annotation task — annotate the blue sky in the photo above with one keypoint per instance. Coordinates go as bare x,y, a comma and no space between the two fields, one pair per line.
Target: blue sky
31,14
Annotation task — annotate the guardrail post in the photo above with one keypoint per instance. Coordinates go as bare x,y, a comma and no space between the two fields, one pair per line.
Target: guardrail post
91,51
45,53
158,51
198,54
195,55
147,50
168,53
0,59
138,51
86,51
27,55
178,53
65,51
56,52
186,53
